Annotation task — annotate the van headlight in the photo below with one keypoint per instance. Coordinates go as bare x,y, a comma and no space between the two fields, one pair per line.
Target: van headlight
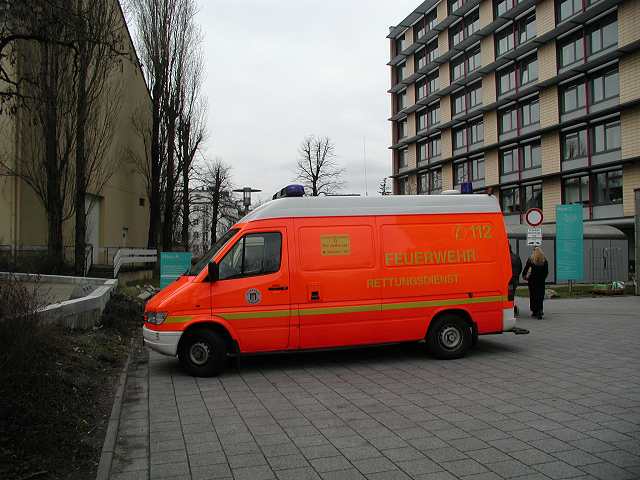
155,317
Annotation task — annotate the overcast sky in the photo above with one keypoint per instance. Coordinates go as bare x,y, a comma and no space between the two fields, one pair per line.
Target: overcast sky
279,70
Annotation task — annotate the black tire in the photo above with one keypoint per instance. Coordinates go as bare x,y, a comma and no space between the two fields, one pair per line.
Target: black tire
203,353
449,337
474,337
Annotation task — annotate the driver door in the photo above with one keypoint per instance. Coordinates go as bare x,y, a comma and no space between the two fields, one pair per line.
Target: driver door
252,292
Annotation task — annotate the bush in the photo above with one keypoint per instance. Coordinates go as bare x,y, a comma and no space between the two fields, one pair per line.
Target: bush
122,314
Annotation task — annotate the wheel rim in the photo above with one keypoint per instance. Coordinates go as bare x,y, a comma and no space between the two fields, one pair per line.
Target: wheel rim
199,353
450,337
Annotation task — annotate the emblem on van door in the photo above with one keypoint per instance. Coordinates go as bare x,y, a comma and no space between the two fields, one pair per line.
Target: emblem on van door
253,296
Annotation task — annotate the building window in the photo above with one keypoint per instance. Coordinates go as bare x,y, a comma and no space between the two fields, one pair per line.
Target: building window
403,186
595,144
469,170
515,34
420,29
423,152
402,159
402,128
401,71
465,27
431,19
468,136
600,36
501,7
401,100
530,113
467,99
421,89
420,59
517,75
433,81
605,86
607,187
518,199
601,87
568,8
434,148
576,190
453,5
519,116
521,158
432,50
430,182
606,137
465,63
401,44
434,114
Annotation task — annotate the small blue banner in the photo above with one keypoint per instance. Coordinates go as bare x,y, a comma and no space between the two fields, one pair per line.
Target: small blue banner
569,242
172,265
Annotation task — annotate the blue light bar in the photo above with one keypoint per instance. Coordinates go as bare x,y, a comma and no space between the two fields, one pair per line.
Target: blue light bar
290,191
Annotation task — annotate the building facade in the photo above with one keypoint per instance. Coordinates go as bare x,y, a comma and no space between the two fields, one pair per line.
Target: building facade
117,214
535,102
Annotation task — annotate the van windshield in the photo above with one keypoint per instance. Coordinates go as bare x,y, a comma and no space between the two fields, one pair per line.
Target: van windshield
206,258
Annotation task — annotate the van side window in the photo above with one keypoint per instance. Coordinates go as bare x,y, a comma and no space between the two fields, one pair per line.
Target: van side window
254,254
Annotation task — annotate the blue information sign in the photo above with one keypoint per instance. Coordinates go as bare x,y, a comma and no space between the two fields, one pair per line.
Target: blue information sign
569,242
172,265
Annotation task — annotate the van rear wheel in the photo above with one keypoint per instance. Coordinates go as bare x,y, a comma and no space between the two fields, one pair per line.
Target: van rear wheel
203,353
449,336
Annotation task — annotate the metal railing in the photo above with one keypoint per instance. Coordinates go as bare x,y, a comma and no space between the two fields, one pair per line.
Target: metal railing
126,256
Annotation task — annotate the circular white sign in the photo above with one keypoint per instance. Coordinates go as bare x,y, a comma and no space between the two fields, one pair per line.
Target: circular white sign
534,217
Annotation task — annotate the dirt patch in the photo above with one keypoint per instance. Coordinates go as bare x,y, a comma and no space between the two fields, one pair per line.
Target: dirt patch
56,392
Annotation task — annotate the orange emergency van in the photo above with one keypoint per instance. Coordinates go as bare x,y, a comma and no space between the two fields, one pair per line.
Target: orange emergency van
322,272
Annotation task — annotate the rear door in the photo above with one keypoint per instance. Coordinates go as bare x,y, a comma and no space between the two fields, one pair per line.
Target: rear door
252,292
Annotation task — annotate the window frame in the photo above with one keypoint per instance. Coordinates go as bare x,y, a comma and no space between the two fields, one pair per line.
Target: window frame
242,240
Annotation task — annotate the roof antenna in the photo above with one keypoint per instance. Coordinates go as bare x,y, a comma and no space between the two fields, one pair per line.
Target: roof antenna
364,149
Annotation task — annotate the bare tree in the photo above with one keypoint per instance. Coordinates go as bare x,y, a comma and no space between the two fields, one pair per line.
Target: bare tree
317,167
383,188
216,182
164,28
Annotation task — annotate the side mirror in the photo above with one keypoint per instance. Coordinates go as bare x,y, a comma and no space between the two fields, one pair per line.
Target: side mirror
214,272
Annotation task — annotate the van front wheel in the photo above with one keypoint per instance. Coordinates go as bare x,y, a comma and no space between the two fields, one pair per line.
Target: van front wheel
203,353
449,337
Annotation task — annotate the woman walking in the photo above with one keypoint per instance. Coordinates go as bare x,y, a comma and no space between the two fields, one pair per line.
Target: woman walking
535,273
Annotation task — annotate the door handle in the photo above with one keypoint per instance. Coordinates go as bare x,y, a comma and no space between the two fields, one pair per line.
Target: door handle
278,287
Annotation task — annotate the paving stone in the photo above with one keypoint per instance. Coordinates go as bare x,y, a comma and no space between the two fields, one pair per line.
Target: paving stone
607,471
490,455
169,470
390,475
509,445
557,470
509,468
350,474
469,443
287,462
319,451
246,460
328,464
445,454
419,466
208,472
577,458
550,445
298,474
374,465
253,473
620,459
463,467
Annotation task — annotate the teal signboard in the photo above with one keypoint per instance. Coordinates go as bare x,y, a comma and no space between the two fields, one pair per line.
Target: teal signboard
569,242
172,265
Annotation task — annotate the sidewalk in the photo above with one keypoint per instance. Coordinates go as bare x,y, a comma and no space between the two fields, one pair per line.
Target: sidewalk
562,402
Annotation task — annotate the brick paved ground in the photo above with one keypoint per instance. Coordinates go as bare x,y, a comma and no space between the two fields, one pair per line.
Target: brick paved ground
563,402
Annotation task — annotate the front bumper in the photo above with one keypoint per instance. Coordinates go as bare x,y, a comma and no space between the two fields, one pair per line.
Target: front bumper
163,342
508,319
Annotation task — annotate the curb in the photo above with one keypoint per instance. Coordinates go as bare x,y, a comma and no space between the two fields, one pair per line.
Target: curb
108,448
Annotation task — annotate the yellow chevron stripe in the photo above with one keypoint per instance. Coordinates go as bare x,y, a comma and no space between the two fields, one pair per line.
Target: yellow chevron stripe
359,308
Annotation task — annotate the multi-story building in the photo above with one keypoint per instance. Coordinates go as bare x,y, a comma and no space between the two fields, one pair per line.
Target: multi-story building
536,102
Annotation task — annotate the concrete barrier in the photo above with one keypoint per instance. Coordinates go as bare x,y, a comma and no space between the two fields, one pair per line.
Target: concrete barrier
83,312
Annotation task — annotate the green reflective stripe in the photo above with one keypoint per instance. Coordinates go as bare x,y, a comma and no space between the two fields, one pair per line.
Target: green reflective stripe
330,310
246,315
176,319
440,303
359,308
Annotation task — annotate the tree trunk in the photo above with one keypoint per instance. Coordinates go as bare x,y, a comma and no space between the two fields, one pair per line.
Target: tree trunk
154,200
54,204
81,159
185,190
169,197
215,207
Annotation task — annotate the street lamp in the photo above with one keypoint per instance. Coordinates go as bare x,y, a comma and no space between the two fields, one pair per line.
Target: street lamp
246,197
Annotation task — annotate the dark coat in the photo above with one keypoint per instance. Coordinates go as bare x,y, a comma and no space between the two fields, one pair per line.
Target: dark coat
516,269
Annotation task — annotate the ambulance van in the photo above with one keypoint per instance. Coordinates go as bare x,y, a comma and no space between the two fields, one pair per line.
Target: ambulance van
314,273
